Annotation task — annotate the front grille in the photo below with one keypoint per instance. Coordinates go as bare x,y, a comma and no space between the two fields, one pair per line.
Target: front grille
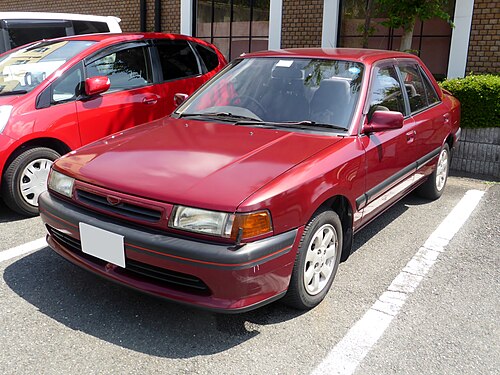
125,209
156,275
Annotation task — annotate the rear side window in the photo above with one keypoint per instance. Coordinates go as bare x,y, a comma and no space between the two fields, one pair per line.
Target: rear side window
126,69
414,87
208,56
432,96
386,91
88,27
177,59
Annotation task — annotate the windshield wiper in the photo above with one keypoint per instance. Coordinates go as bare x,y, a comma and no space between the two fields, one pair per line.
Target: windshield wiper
306,124
298,124
15,92
226,115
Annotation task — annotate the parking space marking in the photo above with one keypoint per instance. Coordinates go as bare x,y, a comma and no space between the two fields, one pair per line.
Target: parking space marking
23,249
345,357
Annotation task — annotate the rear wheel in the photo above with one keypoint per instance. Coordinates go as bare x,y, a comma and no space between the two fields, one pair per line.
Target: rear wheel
26,178
317,261
434,186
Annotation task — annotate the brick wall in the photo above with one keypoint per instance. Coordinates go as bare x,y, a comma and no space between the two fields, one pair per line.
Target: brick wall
128,11
484,45
302,23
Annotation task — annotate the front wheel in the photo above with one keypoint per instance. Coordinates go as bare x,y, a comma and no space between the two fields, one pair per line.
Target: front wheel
26,178
317,261
434,186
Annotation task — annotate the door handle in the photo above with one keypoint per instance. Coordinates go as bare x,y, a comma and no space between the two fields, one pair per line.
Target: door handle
151,100
446,118
410,136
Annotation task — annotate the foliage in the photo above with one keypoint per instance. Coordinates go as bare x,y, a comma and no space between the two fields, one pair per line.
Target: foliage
479,96
403,13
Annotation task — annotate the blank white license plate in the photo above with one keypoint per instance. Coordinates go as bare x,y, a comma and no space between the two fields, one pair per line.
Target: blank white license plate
102,244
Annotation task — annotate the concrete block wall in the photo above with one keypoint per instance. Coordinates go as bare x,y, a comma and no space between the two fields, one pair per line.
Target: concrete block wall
478,152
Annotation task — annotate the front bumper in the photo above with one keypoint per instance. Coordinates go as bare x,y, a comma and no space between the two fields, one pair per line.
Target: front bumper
213,276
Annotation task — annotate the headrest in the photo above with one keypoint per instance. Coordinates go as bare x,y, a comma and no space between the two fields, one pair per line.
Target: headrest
286,73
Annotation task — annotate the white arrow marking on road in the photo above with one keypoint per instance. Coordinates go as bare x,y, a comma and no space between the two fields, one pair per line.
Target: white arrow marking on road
345,357
23,249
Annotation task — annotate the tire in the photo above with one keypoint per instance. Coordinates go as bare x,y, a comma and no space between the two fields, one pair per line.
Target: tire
434,186
25,178
313,272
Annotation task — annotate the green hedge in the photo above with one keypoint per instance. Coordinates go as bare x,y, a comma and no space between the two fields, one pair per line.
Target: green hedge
479,96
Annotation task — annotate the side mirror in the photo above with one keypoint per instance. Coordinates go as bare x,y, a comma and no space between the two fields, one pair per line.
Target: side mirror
180,98
96,85
384,120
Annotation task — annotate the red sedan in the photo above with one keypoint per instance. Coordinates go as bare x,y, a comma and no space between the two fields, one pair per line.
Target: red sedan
60,94
253,188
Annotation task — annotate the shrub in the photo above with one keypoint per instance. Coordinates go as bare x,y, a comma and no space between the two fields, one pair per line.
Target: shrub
479,96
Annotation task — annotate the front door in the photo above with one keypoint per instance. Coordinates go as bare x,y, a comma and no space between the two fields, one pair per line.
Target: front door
390,154
132,99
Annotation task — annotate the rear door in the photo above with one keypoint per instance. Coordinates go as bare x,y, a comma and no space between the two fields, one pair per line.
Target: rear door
428,112
179,70
132,99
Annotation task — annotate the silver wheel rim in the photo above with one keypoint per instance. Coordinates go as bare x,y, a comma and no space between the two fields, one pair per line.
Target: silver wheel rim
442,170
320,259
34,180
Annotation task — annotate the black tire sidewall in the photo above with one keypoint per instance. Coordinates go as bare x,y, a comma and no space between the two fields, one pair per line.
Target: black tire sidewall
300,297
11,177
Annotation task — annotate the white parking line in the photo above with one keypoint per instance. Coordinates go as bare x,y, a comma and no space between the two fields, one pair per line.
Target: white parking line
23,249
345,357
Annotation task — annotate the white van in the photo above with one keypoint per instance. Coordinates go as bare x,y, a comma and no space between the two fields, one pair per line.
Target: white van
18,28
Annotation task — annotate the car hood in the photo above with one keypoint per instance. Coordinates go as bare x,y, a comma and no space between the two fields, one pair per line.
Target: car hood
8,99
201,164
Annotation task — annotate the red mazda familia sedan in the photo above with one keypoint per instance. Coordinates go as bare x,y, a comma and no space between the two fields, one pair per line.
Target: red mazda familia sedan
253,189
60,94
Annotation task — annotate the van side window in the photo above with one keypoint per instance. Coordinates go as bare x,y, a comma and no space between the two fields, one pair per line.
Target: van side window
177,59
24,35
68,87
126,69
208,56
89,27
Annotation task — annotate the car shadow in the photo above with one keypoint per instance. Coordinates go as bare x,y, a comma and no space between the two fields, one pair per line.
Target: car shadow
85,302
7,215
361,237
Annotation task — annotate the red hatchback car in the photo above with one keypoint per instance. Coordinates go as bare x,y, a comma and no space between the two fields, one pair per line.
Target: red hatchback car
60,94
253,188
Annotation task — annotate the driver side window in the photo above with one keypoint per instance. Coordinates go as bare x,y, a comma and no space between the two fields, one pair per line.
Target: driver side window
386,91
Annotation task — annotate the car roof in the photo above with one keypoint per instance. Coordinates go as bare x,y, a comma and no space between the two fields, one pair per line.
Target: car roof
120,37
107,39
55,16
362,55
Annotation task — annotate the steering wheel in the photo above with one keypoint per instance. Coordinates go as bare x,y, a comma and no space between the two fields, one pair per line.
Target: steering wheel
247,98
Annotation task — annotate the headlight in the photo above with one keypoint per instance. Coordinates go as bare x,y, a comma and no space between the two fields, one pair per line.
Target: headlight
5,111
61,183
222,224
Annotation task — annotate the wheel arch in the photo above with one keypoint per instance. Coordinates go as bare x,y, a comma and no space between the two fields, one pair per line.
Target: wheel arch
340,204
52,143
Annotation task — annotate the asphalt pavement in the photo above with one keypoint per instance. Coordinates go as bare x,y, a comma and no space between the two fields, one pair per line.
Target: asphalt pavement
56,318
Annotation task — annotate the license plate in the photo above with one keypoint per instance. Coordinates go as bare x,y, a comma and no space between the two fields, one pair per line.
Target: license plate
102,244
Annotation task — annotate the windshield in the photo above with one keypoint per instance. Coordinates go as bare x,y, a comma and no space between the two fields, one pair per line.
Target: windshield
282,90
24,69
